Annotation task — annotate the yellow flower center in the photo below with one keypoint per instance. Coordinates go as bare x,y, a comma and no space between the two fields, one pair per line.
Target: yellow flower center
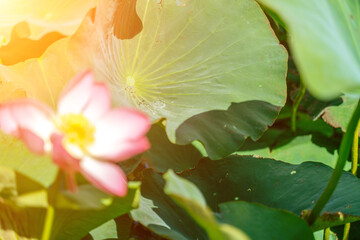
77,130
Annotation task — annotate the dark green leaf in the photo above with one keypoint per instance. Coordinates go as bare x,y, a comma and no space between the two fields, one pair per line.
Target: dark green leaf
160,214
164,155
275,184
222,132
189,197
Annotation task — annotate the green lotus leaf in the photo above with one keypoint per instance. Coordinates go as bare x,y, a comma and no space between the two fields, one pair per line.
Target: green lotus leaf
223,131
164,155
261,222
195,56
15,155
301,149
294,150
325,42
276,184
159,213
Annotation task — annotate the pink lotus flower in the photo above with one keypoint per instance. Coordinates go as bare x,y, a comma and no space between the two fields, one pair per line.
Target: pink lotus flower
85,135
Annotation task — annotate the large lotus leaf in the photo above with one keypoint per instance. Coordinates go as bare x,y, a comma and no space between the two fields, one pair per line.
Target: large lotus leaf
189,197
275,184
162,216
164,155
339,116
261,222
195,57
10,92
294,150
41,78
21,48
41,17
223,131
325,41
15,155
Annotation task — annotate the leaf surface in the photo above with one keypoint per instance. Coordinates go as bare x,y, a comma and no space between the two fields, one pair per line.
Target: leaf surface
276,184
261,222
41,17
325,41
195,57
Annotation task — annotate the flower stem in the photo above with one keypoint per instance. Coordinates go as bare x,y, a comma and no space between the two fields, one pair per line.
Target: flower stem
354,165
344,151
326,234
355,150
297,101
346,231
49,219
